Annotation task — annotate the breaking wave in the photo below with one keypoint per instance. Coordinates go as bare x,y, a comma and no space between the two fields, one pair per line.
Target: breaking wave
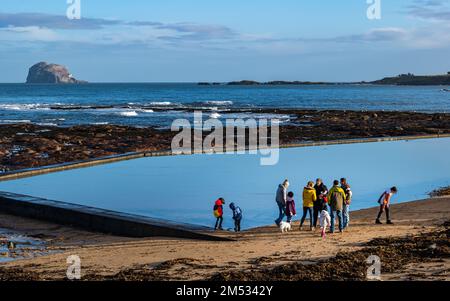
219,102
128,114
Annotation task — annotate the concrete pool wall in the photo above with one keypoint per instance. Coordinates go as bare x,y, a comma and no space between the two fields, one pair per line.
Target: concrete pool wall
100,220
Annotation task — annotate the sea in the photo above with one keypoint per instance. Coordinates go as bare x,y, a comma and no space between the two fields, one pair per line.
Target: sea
158,104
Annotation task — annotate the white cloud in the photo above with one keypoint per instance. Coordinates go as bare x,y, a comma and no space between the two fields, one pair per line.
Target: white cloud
183,35
430,10
28,33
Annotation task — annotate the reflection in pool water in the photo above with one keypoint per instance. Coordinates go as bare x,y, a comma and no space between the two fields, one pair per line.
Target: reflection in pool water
184,188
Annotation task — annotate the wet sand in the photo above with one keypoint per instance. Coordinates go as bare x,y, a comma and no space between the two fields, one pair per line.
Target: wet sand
415,248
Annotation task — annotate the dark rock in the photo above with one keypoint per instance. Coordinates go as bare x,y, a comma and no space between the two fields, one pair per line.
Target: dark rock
244,83
44,73
68,144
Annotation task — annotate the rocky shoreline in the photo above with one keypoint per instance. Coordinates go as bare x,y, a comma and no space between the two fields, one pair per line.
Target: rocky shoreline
444,191
28,146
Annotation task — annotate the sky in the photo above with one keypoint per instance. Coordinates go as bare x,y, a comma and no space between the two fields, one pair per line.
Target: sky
217,40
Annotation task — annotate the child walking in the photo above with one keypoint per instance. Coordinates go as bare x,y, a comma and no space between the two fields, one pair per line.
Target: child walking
237,217
218,213
290,206
324,220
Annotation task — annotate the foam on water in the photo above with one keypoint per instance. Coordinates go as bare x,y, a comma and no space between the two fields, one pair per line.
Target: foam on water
128,114
215,115
219,102
6,121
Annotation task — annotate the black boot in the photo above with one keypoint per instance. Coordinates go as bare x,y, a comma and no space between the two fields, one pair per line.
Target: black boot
377,221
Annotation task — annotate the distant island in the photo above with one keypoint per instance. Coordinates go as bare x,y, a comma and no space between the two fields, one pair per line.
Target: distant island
45,73
407,79
255,83
410,79
277,82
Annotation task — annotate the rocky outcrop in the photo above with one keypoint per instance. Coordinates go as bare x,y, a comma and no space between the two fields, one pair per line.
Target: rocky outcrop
244,83
44,73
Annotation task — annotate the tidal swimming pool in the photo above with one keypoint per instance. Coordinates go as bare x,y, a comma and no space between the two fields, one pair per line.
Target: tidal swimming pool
184,188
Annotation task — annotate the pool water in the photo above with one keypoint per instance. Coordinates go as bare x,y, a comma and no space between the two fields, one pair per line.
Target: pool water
184,188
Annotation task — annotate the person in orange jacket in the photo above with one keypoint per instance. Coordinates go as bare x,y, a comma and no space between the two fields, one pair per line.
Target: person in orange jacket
218,213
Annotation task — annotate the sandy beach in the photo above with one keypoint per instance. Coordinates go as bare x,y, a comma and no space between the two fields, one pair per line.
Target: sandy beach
416,247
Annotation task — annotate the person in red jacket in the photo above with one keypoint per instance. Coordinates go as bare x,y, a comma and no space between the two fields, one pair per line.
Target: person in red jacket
218,213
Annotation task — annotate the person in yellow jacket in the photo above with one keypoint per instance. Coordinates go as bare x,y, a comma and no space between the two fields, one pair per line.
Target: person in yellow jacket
309,197
336,198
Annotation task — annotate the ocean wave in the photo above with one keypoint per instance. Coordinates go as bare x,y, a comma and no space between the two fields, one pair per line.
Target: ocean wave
55,119
24,107
271,118
215,115
128,114
138,107
8,121
160,103
219,102
46,124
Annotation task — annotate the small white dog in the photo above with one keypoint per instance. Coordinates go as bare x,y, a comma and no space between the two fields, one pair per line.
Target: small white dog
325,221
285,227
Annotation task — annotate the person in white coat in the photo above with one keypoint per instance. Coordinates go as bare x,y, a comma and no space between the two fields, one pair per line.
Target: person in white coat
324,221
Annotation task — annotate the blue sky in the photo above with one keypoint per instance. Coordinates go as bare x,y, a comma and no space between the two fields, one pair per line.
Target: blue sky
200,40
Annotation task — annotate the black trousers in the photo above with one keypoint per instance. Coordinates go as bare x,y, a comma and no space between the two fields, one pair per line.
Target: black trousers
219,221
237,225
386,209
316,211
307,210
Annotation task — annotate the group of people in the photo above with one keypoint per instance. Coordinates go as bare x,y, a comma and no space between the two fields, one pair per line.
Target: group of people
321,204
316,199
324,205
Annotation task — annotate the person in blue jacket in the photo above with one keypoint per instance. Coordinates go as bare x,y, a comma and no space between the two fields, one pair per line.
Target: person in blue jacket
237,217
